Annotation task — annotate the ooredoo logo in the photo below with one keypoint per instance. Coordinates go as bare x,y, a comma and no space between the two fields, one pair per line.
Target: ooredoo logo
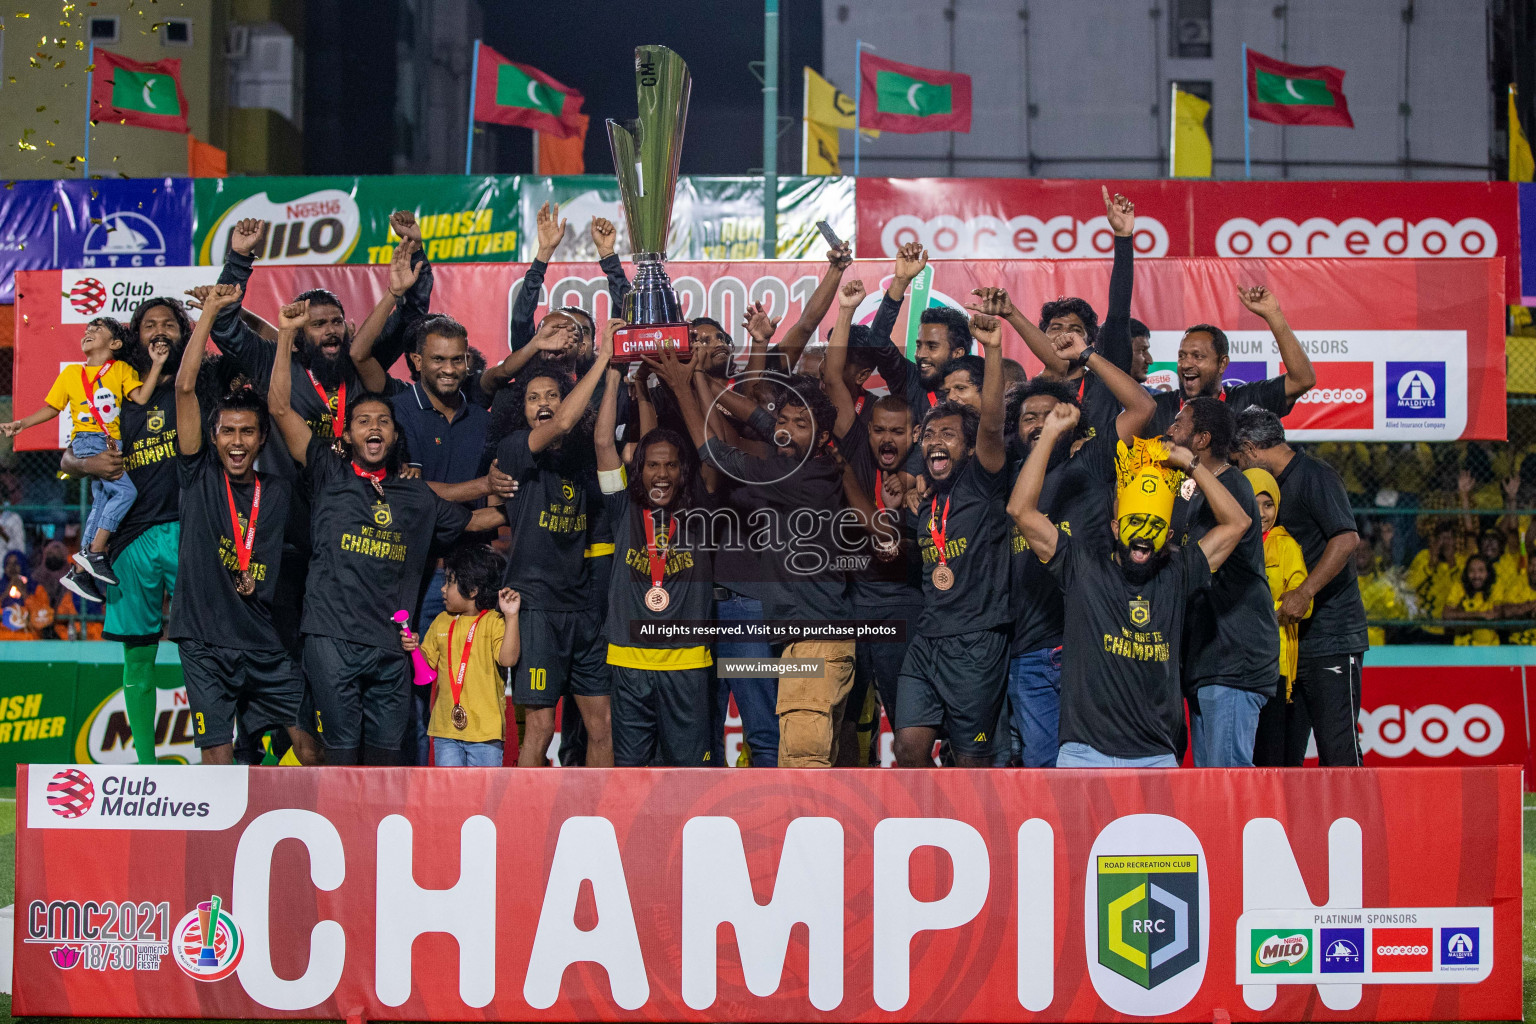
1023,237
70,793
1416,391
1357,237
88,296
1340,401
1433,730
1400,949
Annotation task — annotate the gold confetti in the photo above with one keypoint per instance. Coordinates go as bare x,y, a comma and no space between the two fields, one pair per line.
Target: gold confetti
93,191
22,143
41,108
79,44
24,14
48,142
12,79
90,67
10,185
43,41
33,62
58,65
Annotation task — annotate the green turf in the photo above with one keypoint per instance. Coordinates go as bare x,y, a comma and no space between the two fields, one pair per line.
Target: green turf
8,892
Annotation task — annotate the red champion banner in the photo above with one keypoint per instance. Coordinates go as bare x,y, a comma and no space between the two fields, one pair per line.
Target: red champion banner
1033,218
951,895
1405,350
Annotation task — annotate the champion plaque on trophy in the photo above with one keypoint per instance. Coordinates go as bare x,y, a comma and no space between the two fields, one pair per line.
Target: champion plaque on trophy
646,152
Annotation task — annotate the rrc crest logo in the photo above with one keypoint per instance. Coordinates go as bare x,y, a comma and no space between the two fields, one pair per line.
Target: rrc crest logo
1149,913
1141,612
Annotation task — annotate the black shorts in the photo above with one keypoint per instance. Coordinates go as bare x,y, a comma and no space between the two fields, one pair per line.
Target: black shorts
661,718
563,652
957,683
879,664
262,689
360,692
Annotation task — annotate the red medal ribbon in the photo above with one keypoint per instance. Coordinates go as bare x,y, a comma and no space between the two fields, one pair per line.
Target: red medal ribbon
456,684
657,559
942,532
89,387
243,545
339,417
858,405
377,475
933,399
880,490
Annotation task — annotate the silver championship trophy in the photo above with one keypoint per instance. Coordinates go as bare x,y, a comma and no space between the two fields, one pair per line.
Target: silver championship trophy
646,152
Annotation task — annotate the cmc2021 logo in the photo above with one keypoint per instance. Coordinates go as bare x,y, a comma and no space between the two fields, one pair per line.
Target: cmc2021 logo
207,943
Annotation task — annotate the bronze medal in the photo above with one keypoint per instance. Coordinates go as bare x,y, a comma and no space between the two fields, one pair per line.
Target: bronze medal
657,599
943,577
460,717
245,582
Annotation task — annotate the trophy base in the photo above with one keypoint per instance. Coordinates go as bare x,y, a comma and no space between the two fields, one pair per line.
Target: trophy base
630,343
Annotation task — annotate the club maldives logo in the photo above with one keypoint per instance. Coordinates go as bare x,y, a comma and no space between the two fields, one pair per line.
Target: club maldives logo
1149,915
70,793
1282,952
207,943
87,296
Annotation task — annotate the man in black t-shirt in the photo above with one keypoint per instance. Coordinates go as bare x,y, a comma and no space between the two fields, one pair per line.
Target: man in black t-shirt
1314,509
889,588
1125,600
371,534
230,551
1076,497
1231,641
143,547
799,490
1203,366
955,671
564,650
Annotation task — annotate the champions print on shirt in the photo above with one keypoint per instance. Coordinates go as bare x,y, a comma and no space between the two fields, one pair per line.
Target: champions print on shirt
565,515
377,540
1135,644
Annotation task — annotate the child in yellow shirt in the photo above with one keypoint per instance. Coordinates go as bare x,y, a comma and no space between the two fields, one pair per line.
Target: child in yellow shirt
1283,564
1472,598
93,395
469,644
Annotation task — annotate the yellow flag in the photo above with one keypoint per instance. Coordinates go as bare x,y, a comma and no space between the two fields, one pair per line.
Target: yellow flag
819,149
1189,150
1521,165
828,105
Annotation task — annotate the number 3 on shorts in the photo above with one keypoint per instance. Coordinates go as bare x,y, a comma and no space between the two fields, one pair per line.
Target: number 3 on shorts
537,678
199,720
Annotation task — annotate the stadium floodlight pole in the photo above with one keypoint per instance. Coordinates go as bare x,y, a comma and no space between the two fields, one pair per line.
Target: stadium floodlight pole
1247,124
469,131
859,46
90,59
770,129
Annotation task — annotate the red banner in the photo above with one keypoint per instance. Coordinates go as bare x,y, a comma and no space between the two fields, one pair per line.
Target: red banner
1369,325
951,895
1027,218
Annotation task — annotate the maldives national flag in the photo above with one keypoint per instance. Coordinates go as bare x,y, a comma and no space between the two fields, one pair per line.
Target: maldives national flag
1292,94
511,93
138,93
896,97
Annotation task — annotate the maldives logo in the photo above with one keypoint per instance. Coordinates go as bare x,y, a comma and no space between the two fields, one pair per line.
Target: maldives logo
1281,951
1416,390
207,943
70,793
1458,948
65,957
88,296
1149,913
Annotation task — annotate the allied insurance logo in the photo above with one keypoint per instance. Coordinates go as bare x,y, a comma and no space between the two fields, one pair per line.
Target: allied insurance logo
1459,948
1416,391
207,943
70,793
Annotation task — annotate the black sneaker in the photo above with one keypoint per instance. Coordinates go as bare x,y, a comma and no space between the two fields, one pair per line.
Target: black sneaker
95,563
81,585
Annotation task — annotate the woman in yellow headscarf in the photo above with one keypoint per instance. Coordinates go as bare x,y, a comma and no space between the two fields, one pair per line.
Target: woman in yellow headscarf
1286,569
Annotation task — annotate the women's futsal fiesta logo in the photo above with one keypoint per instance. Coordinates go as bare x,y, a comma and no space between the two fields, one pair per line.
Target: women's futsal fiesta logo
207,943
